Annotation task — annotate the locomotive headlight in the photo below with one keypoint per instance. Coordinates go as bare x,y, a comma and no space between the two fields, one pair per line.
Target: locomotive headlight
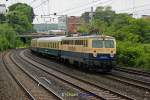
111,54
94,54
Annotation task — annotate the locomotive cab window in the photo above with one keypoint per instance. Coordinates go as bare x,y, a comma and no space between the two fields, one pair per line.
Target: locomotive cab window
109,44
97,43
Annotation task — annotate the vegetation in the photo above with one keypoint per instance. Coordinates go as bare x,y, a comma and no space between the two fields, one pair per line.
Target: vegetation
133,35
17,21
20,16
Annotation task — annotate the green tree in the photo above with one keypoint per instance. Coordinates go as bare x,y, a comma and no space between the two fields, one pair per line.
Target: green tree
7,37
23,8
19,21
20,16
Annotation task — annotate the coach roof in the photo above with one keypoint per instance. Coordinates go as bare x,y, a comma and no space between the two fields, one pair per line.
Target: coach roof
46,39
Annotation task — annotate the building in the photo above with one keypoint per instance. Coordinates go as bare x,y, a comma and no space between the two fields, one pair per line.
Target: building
44,28
73,23
3,9
146,16
56,32
86,17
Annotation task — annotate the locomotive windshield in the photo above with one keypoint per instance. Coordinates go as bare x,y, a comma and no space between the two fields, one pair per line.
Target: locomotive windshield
103,44
109,44
97,43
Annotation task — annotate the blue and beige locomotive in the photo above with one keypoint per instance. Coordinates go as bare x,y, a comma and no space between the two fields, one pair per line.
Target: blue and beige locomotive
96,52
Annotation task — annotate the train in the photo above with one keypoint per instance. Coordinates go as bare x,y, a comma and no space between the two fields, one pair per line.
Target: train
93,52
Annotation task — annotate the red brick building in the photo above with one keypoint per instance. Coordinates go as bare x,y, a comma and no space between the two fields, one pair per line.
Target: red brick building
73,23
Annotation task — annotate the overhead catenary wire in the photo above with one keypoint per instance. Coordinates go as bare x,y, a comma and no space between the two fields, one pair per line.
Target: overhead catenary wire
79,6
136,7
77,10
33,1
135,11
40,4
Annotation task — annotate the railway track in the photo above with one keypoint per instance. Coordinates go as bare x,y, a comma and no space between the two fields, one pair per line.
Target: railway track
30,96
143,85
100,91
28,83
128,81
43,73
133,71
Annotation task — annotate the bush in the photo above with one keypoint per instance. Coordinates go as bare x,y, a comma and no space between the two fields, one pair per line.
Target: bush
7,37
133,54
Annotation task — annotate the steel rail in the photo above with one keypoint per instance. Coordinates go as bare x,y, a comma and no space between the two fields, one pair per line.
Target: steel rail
36,80
31,97
133,71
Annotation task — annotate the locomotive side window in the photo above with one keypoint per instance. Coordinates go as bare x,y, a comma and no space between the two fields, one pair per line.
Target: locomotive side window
85,43
109,44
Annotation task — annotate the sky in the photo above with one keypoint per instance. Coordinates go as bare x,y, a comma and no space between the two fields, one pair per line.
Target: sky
77,7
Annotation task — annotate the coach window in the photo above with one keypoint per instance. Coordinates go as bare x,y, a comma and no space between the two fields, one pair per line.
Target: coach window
65,42
55,44
78,42
86,43
49,45
46,45
81,42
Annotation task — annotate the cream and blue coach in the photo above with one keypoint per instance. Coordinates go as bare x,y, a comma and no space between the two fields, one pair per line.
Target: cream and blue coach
47,45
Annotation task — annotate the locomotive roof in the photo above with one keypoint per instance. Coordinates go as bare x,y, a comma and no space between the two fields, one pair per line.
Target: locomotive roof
91,36
45,39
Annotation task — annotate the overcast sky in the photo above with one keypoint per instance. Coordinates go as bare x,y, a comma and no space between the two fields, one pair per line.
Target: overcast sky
77,7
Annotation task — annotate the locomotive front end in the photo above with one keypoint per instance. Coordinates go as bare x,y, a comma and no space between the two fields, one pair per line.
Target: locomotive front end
103,53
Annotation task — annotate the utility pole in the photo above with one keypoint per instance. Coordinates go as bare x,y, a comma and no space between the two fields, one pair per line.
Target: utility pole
91,14
92,11
67,33
133,8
